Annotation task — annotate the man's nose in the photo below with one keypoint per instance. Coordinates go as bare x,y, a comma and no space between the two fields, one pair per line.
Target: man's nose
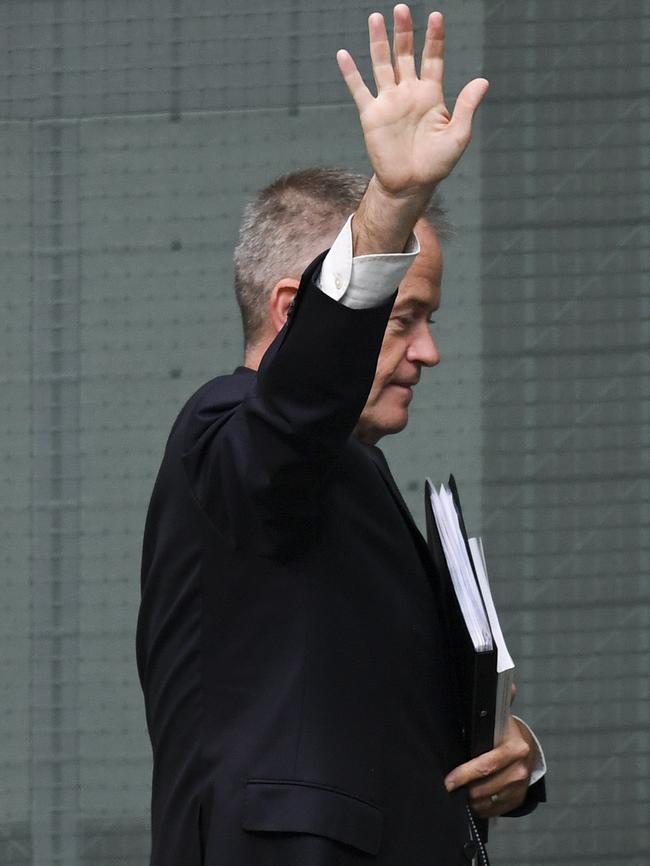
423,349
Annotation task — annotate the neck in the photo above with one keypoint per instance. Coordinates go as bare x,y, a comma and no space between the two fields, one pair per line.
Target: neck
253,354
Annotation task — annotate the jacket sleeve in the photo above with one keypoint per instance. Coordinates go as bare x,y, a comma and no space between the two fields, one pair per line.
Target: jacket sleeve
257,468
535,795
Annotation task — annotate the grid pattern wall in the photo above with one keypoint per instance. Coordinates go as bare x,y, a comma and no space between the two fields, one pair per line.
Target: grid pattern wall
131,134
566,394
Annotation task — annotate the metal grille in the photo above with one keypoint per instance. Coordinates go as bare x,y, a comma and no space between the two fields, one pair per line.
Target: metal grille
565,397
131,135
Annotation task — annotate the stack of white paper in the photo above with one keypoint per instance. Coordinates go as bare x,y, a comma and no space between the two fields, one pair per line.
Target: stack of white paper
474,598
460,568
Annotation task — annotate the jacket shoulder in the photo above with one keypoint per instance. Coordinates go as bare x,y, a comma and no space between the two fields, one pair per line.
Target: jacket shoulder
216,398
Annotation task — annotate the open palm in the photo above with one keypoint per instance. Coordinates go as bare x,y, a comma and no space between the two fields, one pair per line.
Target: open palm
411,139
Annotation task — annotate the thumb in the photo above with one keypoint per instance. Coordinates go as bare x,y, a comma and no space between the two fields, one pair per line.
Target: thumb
468,101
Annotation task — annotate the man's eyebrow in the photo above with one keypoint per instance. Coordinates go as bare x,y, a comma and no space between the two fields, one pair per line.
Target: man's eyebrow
401,303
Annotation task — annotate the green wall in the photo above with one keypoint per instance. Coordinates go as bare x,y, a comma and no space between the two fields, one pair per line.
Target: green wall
131,134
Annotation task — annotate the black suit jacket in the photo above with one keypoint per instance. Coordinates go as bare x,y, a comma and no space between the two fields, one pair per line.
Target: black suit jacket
290,648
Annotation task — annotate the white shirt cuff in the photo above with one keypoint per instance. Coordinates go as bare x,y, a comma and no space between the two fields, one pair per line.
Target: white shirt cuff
363,281
540,768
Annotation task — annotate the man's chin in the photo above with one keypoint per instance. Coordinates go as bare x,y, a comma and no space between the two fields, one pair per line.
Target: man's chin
397,426
372,430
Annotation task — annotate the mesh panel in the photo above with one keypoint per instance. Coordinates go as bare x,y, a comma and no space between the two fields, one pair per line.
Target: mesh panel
565,400
132,133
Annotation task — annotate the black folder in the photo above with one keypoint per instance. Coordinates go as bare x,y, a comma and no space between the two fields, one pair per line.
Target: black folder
475,673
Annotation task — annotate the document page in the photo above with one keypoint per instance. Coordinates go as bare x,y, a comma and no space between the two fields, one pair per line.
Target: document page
460,568
505,664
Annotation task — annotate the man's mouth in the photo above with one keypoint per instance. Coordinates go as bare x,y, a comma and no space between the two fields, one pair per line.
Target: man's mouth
405,387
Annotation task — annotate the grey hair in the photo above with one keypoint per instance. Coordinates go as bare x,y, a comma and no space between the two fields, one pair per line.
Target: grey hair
287,225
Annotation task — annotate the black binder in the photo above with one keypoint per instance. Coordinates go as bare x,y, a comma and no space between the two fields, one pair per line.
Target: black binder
475,673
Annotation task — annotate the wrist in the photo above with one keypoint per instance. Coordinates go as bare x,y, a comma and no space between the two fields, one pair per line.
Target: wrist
385,220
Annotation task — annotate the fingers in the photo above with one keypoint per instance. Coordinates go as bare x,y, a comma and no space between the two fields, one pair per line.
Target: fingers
513,752
389,68
403,43
385,74
501,793
510,777
468,101
360,94
382,66
478,768
433,53
499,801
496,781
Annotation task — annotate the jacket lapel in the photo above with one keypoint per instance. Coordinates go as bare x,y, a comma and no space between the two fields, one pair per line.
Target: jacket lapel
431,569
381,465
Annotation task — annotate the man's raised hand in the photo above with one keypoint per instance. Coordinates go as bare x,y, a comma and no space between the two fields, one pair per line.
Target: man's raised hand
412,140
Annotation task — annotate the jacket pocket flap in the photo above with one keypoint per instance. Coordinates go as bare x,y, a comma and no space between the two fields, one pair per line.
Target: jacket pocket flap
302,807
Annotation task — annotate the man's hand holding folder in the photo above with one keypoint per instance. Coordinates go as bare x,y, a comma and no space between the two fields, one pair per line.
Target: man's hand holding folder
497,781
503,751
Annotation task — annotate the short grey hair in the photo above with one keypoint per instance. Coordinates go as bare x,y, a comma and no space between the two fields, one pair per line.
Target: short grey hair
287,225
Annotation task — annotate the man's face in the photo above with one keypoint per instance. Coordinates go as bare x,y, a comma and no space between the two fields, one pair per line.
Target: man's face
407,345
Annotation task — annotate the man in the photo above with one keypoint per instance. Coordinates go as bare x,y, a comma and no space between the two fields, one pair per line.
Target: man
291,646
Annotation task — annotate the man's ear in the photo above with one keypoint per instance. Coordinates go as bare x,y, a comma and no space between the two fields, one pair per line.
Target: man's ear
282,295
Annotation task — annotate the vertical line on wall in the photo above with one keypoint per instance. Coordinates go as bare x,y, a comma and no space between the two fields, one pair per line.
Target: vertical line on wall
293,65
55,375
175,51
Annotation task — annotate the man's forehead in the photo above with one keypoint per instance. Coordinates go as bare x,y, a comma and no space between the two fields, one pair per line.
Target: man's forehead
421,284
